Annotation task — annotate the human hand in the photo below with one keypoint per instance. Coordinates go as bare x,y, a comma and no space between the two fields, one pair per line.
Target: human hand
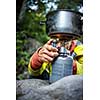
47,53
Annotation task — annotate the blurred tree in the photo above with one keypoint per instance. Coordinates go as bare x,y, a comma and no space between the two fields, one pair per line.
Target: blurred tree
71,4
18,7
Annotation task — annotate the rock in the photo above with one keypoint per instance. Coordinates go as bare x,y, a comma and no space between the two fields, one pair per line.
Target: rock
24,86
67,88
32,45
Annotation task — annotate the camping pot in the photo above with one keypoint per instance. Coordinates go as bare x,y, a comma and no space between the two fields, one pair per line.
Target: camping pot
64,23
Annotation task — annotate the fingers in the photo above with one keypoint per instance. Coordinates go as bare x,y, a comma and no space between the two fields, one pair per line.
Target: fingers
50,41
47,56
49,53
43,59
50,48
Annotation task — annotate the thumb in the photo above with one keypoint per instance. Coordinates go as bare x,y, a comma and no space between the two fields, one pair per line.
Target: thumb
50,41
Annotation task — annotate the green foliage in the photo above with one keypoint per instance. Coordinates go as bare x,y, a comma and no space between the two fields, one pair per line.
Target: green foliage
31,24
71,4
29,28
22,58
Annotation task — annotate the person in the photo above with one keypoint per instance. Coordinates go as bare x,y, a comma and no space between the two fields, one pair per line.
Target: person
41,61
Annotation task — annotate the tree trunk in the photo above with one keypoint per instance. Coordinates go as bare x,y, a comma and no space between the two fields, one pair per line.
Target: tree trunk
21,8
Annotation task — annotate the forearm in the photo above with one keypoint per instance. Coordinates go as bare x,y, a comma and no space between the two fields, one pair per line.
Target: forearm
34,66
35,61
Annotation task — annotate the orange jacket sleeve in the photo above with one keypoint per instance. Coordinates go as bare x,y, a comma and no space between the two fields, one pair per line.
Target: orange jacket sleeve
35,61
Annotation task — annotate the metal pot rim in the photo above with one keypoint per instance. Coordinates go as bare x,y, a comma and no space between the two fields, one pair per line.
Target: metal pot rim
68,10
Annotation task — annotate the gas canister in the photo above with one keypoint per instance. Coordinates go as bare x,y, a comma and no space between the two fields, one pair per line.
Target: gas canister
61,66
